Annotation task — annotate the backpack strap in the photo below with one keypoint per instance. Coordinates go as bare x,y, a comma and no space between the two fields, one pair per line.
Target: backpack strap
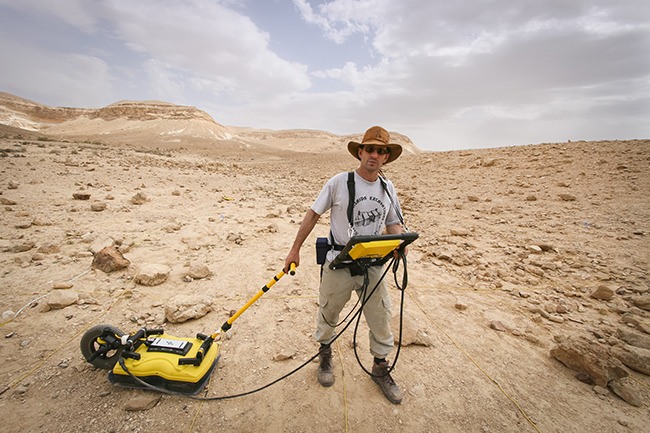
351,193
351,197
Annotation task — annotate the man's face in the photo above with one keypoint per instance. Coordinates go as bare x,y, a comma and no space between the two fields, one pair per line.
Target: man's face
373,157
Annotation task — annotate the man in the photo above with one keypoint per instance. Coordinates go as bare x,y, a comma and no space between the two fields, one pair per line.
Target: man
376,209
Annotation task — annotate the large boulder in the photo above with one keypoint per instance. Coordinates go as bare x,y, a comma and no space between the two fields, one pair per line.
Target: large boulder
58,299
152,274
182,308
589,358
109,259
636,358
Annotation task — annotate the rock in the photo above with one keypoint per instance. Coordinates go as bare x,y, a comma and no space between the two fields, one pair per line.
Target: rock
185,307
21,248
271,228
5,201
547,248
556,318
152,274
472,198
139,198
237,238
173,227
603,293
590,358
284,355
81,196
624,388
498,326
567,197
199,271
62,285
58,299
21,389
142,402
49,249
584,378
600,390
634,338
636,322
636,358
412,333
458,232
109,259
25,224
642,302
531,197
7,315
97,206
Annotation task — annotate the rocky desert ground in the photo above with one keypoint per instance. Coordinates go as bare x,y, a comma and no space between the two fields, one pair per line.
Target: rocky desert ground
526,310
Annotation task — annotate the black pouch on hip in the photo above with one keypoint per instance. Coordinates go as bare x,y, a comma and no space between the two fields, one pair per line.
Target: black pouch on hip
356,269
322,247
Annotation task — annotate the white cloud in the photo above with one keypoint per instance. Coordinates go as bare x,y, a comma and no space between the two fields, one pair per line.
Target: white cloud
80,14
73,80
208,43
164,82
470,72
509,61
339,19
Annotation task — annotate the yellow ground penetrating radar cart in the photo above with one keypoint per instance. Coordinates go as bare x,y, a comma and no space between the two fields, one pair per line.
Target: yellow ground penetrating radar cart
152,359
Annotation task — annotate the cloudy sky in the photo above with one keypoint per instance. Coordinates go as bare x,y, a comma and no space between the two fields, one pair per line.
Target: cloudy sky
448,74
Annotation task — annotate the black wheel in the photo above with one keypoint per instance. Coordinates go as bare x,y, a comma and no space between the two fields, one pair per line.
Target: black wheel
103,339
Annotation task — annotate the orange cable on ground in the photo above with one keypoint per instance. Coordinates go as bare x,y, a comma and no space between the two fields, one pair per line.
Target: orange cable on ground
464,352
40,364
345,394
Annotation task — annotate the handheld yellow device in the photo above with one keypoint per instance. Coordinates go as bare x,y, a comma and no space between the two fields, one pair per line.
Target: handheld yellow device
372,250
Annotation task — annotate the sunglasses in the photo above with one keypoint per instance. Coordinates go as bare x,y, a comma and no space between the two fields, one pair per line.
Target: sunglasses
380,150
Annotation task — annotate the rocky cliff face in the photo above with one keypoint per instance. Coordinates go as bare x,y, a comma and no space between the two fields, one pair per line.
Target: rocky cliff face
23,113
148,110
163,123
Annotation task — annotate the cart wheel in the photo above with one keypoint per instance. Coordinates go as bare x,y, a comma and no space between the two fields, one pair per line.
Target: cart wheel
95,339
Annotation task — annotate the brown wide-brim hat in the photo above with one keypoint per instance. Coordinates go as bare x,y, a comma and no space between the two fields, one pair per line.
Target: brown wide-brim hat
376,136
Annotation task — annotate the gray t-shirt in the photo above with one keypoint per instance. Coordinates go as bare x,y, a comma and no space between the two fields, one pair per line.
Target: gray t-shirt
373,208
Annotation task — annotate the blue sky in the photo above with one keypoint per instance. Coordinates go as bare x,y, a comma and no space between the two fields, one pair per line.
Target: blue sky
450,75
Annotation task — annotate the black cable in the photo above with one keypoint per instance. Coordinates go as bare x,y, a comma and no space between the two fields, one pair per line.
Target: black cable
344,319
393,264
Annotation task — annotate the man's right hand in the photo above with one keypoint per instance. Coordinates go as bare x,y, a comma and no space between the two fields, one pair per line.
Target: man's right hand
291,258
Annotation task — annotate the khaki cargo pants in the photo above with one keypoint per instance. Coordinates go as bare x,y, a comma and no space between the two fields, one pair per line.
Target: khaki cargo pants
335,291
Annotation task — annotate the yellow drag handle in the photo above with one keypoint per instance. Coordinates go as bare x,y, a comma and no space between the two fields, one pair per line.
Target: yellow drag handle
250,302
292,268
226,326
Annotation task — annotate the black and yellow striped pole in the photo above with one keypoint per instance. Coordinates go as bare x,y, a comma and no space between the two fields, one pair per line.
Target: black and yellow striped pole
205,346
227,325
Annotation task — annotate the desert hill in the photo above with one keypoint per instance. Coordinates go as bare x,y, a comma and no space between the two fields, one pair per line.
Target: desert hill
165,125
527,307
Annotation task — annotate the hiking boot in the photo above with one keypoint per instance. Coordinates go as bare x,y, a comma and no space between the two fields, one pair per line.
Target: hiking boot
386,383
325,373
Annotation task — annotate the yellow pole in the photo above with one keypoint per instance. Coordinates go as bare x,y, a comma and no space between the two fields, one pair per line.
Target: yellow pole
226,326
